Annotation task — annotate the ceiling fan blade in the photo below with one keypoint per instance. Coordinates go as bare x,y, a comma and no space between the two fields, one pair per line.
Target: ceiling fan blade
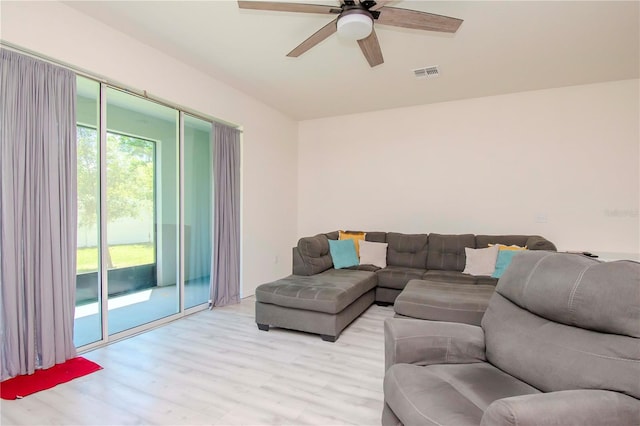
418,20
287,7
371,49
316,38
380,4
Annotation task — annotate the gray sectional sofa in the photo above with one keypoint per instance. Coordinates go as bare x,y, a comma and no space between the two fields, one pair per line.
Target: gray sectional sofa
320,299
434,257
558,345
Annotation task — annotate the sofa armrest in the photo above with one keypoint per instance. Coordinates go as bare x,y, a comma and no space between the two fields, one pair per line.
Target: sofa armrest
571,407
298,266
311,255
536,242
423,342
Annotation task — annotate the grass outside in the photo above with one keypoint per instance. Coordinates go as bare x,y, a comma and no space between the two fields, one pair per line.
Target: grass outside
122,256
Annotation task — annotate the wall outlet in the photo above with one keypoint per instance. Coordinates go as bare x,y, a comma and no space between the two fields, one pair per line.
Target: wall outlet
541,218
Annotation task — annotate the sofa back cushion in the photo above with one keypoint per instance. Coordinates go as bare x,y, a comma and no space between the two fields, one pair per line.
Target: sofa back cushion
483,241
376,237
536,242
407,250
560,321
532,242
446,252
314,256
333,235
576,290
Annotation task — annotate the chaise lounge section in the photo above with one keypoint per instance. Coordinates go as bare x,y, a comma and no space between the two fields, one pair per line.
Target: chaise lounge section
323,304
317,298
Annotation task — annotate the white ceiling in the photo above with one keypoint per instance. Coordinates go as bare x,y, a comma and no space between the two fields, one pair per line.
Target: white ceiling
501,47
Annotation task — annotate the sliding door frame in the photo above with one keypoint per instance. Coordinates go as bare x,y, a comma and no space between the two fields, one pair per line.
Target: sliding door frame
102,237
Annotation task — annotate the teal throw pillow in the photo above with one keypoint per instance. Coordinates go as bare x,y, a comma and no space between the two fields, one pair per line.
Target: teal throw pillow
504,259
343,253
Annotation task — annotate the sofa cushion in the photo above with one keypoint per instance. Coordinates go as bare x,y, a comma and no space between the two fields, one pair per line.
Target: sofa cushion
408,250
446,252
330,291
571,407
376,237
553,356
532,242
333,235
483,241
480,261
355,236
556,315
465,303
536,242
361,267
397,276
502,263
576,290
455,277
373,253
512,247
314,253
343,253
426,395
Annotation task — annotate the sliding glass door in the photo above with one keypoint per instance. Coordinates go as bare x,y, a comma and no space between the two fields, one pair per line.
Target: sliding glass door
130,199
142,210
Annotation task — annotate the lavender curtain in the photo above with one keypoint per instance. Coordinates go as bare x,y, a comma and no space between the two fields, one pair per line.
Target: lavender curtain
225,264
37,214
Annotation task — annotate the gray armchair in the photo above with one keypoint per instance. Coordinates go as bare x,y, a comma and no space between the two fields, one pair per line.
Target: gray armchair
559,345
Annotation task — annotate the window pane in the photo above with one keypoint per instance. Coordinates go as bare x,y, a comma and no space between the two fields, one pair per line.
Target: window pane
197,210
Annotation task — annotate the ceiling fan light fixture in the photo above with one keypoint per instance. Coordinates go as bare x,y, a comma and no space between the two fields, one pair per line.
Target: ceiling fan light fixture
355,26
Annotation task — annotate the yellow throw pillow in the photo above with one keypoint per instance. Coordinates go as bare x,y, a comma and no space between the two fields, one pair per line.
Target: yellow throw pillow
512,247
355,236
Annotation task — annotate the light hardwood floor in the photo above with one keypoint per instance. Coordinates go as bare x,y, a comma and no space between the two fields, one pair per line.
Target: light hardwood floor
216,368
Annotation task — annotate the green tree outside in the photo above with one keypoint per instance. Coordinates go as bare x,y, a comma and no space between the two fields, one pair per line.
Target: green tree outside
130,183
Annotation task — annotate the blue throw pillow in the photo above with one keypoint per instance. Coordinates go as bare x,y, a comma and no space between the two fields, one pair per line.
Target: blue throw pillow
504,259
343,253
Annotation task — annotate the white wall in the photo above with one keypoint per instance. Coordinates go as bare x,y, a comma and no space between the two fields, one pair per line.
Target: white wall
269,139
567,157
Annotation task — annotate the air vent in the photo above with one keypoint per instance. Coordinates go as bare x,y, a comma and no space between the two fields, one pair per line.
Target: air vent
428,72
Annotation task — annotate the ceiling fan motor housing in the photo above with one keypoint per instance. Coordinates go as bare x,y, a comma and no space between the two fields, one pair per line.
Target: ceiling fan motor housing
355,23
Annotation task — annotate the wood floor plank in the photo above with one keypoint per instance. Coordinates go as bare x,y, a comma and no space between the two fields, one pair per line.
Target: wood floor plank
215,367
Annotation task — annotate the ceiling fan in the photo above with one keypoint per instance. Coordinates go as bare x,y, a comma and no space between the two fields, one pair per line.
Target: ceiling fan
355,21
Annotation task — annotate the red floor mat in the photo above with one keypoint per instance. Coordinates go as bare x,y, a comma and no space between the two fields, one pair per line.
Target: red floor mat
21,386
